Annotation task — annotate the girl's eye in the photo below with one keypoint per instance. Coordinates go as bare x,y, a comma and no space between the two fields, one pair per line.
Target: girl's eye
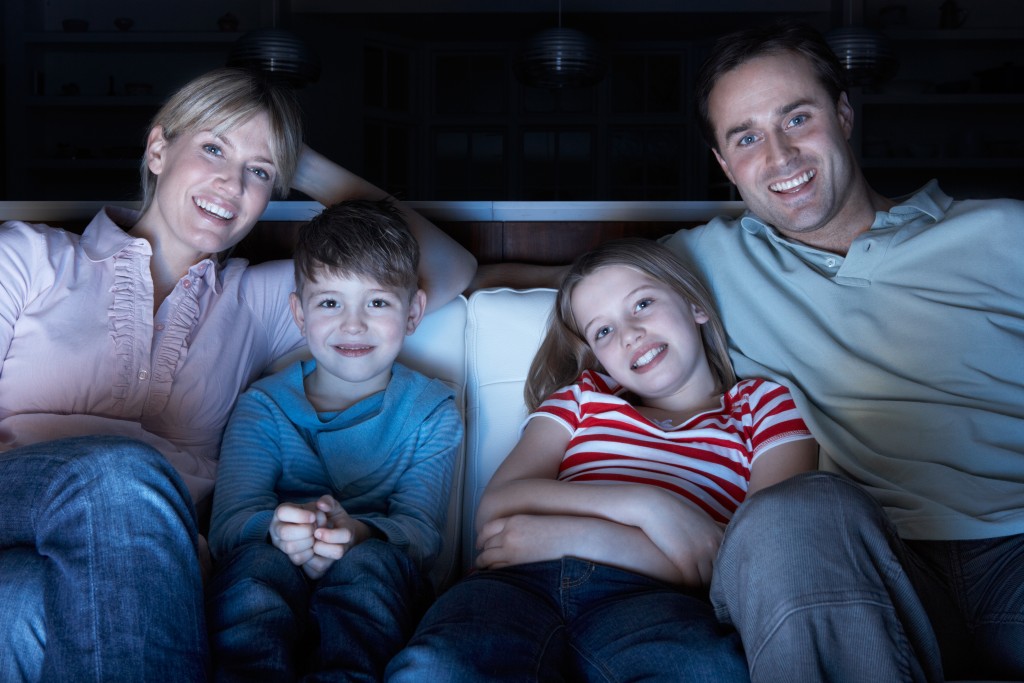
602,332
643,303
210,148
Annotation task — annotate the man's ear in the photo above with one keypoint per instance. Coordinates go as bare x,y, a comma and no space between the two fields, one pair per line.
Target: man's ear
156,145
297,314
844,111
417,307
724,165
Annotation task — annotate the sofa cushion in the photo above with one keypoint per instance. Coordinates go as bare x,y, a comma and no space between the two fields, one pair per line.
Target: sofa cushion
438,349
504,329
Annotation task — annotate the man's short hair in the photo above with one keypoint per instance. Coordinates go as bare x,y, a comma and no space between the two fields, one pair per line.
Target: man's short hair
358,238
778,37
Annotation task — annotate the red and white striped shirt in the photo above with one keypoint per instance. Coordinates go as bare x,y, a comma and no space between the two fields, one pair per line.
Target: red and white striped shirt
706,460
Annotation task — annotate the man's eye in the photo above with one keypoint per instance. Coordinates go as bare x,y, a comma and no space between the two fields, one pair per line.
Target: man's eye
746,140
797,120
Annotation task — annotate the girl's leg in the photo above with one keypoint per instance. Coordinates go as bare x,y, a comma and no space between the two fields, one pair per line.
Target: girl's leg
496,625
623,626
22,614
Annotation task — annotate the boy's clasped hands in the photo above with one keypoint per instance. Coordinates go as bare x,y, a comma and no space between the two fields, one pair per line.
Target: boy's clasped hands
315,534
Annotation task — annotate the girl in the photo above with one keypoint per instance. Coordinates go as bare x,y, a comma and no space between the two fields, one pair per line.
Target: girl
598,532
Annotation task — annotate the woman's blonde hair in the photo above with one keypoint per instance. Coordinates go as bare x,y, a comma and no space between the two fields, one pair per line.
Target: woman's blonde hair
222,99
564,353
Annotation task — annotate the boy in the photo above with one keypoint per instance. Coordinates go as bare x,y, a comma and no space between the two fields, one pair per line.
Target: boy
334,475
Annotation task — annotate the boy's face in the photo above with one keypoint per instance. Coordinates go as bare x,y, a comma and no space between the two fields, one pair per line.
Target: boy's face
355,328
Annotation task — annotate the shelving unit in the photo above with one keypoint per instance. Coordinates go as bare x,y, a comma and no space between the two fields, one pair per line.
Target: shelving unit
949,113
79,102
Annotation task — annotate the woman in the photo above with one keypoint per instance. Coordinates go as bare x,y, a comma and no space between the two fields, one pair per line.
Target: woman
139,332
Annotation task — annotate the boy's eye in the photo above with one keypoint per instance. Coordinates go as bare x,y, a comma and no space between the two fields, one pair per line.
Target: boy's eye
379,303
328,303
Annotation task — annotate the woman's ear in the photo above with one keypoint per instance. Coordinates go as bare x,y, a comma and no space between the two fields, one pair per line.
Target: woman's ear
156,146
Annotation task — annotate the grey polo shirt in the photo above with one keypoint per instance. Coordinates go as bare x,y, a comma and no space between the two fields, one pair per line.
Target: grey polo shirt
906,356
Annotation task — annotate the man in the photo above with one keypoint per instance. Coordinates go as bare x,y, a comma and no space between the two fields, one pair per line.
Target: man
899,326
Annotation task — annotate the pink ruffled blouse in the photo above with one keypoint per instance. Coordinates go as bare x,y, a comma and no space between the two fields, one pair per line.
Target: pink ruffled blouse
83,353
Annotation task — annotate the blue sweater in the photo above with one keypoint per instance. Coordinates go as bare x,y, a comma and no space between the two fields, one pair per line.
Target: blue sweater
387,459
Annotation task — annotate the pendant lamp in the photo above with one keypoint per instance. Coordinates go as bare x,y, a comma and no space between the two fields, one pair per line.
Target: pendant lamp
864,52
560,58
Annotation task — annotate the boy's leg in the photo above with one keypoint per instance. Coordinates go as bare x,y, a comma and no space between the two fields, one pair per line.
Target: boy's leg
365,608
114,527
811,573
257,607
498,625
623,626
974,592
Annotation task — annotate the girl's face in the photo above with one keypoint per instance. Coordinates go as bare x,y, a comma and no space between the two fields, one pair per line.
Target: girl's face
645,335
211,189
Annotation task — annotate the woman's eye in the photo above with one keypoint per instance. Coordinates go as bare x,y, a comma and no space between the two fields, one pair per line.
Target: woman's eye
212,149
260,173
643,303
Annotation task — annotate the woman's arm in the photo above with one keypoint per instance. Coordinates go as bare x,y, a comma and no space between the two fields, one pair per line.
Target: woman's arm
445,267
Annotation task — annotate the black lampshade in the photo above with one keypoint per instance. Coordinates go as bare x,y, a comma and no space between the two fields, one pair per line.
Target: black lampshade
864,52
278,53
560,58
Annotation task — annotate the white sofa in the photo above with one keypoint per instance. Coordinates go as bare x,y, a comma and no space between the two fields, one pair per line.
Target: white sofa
482,348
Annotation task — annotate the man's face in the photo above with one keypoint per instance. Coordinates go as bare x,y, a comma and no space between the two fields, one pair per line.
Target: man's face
783,142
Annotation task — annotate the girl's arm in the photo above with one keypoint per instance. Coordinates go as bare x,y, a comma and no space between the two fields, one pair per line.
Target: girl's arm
526,484
782,462
534,538
445,267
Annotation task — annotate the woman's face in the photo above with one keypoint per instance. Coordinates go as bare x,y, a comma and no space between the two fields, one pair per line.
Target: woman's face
211,189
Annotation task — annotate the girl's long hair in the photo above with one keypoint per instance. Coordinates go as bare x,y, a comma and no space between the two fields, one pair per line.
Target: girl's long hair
564,353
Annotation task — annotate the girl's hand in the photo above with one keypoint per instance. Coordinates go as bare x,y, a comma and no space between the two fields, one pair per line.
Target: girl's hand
520,539
686,535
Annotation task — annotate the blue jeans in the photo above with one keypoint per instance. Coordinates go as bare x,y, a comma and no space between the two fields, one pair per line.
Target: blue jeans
269,622
568,620
820,587
99,579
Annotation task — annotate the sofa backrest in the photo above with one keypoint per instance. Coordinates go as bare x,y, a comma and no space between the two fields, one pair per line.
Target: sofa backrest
504,329
438,349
